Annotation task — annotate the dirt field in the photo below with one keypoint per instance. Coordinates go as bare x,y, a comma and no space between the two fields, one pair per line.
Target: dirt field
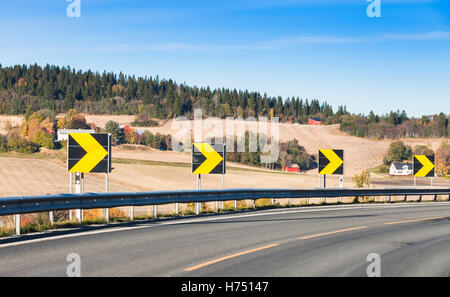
21,175
360,153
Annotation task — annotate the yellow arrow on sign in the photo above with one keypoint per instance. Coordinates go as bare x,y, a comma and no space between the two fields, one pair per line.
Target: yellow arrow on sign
335,162
427,165
94,152
212,158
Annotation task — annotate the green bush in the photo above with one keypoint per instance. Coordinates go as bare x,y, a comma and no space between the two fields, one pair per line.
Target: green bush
21,145
44,139
3,143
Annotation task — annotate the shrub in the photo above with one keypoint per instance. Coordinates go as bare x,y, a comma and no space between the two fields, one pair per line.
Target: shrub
143,120
117,136
3,143
362,179
44,139
20,145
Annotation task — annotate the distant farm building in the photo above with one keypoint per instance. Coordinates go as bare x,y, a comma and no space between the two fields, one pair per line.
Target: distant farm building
401,169
314,121
291,168
127,128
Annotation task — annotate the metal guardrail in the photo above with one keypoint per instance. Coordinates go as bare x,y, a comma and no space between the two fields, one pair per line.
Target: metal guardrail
42,203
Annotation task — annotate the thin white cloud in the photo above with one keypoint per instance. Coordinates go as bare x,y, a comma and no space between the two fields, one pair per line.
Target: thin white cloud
420,36
275,44
284,43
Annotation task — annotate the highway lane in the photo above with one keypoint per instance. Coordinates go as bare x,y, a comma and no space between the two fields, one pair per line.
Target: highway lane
411,239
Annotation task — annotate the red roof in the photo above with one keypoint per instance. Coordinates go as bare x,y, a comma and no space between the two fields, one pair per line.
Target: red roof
314,121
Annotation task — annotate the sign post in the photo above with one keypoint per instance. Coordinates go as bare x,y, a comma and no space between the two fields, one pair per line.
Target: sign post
88,153
106,190
70,191
208,159
199,186
423,166
331,162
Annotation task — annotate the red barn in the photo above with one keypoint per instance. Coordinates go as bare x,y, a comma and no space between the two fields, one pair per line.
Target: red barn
291,168
314,121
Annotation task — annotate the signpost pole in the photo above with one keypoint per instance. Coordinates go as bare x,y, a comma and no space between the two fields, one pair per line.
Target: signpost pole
223,186
106,190
78,191
71,191
415,182
197,204
97,148
341,185
82,192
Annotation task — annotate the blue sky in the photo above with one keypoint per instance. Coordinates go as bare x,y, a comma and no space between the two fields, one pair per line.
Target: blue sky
324,49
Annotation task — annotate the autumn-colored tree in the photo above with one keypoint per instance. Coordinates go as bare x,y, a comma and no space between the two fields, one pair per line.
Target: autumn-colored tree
44,139
33,127
35,124
24,128
130,136
61,123
362,180
48,124
443,159
78,121
423,150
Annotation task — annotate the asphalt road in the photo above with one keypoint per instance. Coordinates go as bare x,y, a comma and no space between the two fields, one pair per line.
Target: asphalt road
411,239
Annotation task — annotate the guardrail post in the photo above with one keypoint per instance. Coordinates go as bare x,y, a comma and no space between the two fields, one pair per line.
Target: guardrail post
50,217
435,198
17,223
420,198
107,215
155,211
389,199
254,204
131,213
406,198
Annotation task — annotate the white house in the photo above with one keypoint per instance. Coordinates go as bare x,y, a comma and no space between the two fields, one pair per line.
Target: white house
401,169
63,134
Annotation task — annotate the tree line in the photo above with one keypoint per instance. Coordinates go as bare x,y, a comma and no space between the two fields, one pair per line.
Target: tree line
25,89
31,88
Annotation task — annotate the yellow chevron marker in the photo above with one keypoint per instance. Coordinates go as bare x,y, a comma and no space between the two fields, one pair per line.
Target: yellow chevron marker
94,152
335,161
212,158
427,165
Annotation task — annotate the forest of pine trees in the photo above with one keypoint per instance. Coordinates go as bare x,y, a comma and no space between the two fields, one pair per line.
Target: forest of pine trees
56,88
27,89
